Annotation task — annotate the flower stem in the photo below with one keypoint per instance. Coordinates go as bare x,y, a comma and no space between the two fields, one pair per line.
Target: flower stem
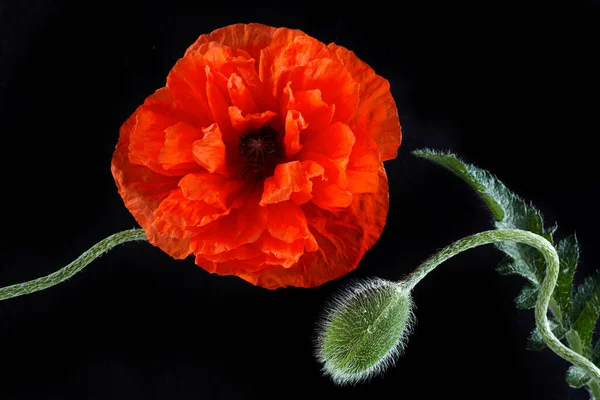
594,389
545,292
74,267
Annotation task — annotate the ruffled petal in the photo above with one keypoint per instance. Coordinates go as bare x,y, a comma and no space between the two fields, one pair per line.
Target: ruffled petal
249,122
146,135
233,230
286,222
336,143
332,79
179,216
237,262
224,59
285,240
329,196
376,115
343,238
240,95
250,37
210,151
227,53
286,254
176,154
294,125
290,181
317,114
143,190
187,85
362,172
218,101
329,190
270,66
213,189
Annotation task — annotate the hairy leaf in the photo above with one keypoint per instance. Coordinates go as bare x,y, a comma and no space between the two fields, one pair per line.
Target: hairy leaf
586,306
535,341
574,341
577,377
509,210
568,251
526,299
519,267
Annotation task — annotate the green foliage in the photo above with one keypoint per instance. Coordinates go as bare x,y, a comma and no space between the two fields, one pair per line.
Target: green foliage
577,377
526,299
586,306
510,212
568,252
535,341
363,331
574,316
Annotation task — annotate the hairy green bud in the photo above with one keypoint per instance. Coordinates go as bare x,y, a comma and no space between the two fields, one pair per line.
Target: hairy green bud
363,330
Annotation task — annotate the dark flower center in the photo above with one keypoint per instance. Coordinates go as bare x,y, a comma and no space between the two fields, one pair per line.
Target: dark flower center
262,151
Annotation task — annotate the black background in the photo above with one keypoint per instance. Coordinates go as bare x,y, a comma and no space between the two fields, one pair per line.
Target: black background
511,89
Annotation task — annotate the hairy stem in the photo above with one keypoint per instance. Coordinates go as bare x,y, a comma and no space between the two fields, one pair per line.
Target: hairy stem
594,389
546,288
74,267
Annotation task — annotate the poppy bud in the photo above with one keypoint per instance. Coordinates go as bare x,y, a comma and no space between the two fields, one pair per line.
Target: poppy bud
363,330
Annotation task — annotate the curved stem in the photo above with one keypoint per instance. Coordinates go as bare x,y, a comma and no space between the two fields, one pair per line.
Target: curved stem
545,292
594,389
74,267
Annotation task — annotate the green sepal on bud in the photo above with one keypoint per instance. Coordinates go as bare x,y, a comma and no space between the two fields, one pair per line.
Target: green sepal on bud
364,330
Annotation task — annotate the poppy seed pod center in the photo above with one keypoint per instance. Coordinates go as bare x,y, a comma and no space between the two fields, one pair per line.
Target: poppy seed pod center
262,151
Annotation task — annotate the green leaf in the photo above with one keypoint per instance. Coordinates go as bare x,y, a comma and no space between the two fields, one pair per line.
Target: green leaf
519,267
574,341
526,299
577,377
586,306
568,251
535,341
481,181
509,210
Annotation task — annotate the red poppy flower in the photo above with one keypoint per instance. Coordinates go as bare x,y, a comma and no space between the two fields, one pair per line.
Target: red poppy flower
262,156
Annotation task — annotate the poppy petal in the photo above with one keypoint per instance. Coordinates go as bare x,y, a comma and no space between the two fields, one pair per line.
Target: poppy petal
178,216
294,125
250,37
270,68
142,191
216,190
244,123
146,134
343,238
240,95
218,101
377,115
233,230
336,143
288,179
286,221
210,151
332,79
176,153
186,84
363,170
309,103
